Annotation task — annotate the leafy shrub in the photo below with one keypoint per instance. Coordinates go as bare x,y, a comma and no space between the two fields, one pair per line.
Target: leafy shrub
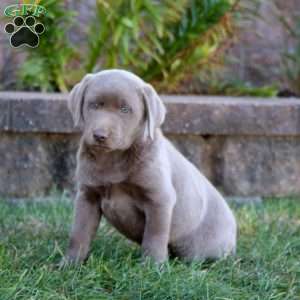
240,89
45,67
164,42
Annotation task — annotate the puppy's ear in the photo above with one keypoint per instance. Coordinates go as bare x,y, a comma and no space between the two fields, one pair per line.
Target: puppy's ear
76,99
155,110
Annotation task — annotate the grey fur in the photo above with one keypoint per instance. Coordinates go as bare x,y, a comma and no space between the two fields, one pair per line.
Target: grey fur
128,172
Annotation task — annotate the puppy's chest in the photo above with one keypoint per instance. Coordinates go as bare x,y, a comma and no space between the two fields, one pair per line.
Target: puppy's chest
122,192
107,171
97,175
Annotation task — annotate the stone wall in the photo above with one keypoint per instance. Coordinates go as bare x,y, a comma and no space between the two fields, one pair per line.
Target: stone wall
246,147
263,39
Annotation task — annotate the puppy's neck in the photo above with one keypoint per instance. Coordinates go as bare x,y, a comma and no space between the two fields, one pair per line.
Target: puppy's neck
97,168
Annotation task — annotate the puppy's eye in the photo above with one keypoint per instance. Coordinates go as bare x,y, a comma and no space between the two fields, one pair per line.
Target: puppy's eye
125,109
96,105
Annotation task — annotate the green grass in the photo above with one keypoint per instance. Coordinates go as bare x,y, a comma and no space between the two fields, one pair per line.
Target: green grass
34,235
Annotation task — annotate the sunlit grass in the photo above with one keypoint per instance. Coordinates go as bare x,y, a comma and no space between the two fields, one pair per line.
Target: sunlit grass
33,237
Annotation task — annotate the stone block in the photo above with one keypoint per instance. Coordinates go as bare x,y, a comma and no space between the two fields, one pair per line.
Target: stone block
33,164
260,166
35,112
231,116
195,115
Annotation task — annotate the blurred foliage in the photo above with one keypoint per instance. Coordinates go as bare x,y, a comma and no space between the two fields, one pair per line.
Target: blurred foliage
291,57
239,88
46,67
165,42
128,33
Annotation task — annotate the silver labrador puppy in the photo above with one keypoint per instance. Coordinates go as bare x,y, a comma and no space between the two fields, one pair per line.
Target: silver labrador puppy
131,174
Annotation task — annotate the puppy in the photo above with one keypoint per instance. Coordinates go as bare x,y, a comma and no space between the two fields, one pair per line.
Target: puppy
130,173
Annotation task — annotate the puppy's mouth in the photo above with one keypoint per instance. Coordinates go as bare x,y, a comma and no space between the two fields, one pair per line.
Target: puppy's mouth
100,147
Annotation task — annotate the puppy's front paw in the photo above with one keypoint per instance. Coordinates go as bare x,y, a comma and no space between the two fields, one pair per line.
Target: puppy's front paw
154,255
65,262
68,261
71,260
62,264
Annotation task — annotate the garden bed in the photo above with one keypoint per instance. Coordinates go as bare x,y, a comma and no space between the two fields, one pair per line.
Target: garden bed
246,146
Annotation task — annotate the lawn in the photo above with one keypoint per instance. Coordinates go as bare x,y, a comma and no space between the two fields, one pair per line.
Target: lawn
33,236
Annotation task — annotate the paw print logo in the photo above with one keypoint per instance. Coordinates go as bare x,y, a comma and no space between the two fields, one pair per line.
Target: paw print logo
24,32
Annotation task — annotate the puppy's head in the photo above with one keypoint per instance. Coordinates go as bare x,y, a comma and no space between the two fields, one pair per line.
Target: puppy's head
114,108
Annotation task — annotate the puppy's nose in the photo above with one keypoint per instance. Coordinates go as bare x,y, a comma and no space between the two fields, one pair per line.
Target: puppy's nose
99,135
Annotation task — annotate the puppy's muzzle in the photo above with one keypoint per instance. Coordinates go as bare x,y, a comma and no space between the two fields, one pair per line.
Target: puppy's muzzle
100,136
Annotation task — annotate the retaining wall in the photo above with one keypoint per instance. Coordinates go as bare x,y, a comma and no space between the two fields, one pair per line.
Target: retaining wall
246,147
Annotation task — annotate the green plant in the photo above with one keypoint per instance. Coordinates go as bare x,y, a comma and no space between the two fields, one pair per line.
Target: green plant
46,67
236,88
164,42
244,89
128,33
158,42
